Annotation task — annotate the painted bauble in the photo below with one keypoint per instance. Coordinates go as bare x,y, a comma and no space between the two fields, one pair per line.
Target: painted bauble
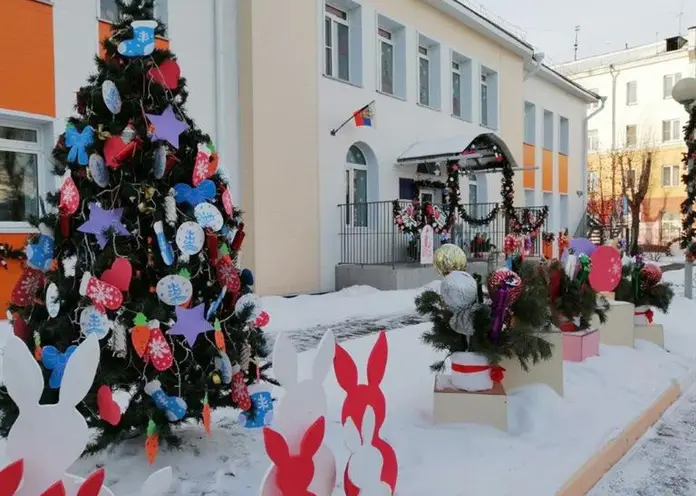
449,258
650,275
506,276
458,290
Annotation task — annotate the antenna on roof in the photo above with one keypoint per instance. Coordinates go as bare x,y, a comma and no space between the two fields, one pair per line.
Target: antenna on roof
575,46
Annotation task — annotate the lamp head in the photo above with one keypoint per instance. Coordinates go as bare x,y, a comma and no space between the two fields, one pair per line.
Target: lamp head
684,92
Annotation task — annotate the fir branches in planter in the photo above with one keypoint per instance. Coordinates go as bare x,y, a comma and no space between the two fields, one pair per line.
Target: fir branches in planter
573,301
642,285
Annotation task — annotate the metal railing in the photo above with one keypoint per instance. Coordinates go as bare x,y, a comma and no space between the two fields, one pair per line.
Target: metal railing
369,236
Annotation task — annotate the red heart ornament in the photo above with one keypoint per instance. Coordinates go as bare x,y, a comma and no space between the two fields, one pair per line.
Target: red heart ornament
262,320
109,411
166,74
119,275
116,150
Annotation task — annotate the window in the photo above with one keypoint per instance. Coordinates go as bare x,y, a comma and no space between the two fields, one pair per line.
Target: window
162,11
489,98
563,204
631,93
592,181
548,130
337,44
473,190
670,175
426,196
391,48
529,123
671,226
461,86
594,105
356,188
423,76
631,135
564,136
20,151
108,10
407,188
593,140
668,83
428,72
671,130
386,72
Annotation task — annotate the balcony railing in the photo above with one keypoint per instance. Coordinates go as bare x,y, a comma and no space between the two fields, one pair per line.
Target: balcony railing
368,235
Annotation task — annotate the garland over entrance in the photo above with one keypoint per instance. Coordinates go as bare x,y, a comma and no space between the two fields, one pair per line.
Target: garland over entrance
486,153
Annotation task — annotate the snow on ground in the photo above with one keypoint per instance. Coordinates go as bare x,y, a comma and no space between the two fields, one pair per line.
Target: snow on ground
548,435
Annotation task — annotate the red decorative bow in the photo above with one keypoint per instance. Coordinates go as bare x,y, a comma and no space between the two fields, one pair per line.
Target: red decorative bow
648,315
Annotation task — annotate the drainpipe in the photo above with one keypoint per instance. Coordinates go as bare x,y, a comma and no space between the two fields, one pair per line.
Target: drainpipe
602,103
614,76
538,59
220,131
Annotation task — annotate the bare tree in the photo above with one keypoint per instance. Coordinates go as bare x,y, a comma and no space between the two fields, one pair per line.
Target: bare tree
636,173
605,194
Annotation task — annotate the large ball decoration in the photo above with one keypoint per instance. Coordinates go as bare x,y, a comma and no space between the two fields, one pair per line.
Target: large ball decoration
449,258
650,275
458,290
505,276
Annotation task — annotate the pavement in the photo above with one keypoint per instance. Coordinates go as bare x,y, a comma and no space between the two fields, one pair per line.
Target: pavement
663,462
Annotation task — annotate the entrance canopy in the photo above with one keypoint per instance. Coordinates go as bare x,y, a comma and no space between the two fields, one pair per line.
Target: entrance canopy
473,151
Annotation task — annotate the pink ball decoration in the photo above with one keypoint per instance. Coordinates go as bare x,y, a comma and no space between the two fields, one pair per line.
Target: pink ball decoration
651,274
502,276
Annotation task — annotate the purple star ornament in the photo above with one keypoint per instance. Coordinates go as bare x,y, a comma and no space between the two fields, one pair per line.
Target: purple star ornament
167,127
190,323
100,221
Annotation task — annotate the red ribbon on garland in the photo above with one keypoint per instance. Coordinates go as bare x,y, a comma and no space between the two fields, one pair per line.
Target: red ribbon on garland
648,315
497,372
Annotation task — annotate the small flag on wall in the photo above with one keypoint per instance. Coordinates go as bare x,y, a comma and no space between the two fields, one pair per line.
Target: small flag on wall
363,117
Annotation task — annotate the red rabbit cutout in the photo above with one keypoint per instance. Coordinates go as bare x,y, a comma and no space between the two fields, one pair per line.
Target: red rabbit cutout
359,397
11,478
93,484
294,473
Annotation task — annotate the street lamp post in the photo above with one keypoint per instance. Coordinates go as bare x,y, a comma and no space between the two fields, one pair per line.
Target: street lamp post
684,92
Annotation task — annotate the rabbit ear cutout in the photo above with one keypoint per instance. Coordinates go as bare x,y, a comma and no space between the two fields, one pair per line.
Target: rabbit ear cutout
93,484
11,478
351,436
57,489
79,372
324,358
22,374
377,363
345,369
312,439
276,447
284,361
158,483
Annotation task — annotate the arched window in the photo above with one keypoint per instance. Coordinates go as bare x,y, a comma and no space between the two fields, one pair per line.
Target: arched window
356,187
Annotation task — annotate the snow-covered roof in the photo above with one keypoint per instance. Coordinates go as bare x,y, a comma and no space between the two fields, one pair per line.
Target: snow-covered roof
450,148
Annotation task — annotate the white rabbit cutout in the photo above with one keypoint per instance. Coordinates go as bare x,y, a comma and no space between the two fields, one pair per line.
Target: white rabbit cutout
156,485
365,462
303,403
49,438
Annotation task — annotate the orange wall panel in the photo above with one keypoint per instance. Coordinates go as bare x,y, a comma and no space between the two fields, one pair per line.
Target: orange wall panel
547,170
105,32
9,277
562,173
27,75
529,158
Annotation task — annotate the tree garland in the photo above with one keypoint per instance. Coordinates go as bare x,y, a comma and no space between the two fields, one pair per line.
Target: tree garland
689,179
9,253
412,217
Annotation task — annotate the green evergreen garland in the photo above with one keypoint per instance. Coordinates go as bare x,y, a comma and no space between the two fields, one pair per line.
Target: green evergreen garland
657,295
523,338
575,298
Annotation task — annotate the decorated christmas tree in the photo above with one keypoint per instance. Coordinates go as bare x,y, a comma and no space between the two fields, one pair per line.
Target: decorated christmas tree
509,322
642,285
140,247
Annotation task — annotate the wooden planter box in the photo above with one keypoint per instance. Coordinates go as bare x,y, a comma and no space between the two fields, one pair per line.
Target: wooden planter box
618,329
653,333
579,345
548,372
451,405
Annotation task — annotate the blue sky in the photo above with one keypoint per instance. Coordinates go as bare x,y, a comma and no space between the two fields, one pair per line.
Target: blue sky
605,25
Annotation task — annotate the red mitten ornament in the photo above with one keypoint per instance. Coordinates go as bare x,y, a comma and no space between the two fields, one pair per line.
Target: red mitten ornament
206,163
102,294
118,148
158,349
240,392
69,197
29,283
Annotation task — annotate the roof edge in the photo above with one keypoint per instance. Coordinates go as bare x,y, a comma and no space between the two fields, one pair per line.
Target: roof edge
565,82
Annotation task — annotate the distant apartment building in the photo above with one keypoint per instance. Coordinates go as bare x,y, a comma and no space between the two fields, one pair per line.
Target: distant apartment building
641,116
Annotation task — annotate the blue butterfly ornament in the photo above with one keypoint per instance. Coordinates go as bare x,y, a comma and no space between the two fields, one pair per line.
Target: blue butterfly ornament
78,142
55,361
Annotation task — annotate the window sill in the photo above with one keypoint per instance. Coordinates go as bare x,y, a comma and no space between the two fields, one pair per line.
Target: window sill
46,2
460,118
343,81
634,104
434,109
487,126
17,228
395,97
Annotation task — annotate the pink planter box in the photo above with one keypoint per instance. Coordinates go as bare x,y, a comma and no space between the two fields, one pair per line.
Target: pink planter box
581,344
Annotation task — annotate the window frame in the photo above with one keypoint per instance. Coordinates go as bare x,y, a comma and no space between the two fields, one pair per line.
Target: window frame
457,110
593,136
37,148
674,176
426,58
483,83
635,137
335,19
381,39
350,168
675,130
674,79
628,93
